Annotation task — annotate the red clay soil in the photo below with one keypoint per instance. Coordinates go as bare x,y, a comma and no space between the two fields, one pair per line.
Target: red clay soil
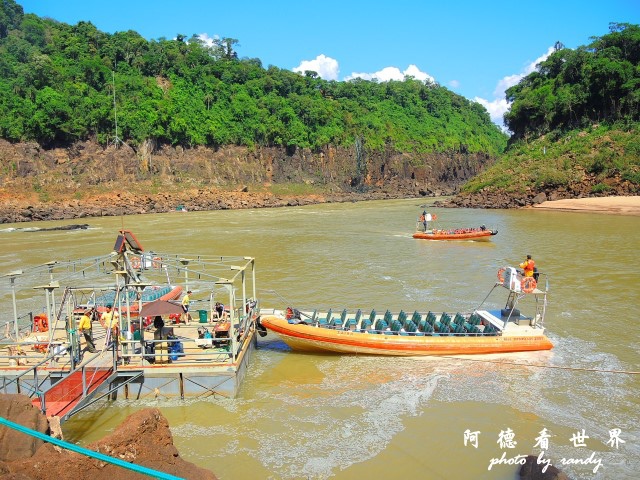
143,438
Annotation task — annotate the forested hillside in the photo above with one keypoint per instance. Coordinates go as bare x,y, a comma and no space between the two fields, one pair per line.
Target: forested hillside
575,124
59,84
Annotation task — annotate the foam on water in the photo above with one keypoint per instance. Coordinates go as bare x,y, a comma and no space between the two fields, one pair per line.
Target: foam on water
584,400
304,432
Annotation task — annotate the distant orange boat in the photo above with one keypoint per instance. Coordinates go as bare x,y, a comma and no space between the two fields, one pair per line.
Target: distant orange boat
424,232
418,334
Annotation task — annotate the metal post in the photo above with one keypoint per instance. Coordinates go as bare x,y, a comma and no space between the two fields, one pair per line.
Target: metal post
12,277
48,290
51,323
140,288
232,332
15,307
185,263
50,265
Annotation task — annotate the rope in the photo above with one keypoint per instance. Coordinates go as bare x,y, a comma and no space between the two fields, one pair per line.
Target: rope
502,362
89,453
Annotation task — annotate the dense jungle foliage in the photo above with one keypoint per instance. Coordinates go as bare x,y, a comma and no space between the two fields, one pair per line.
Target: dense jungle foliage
61,83
576,88
578,115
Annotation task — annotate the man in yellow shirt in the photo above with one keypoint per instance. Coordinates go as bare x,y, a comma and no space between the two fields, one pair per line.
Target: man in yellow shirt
84,327
110,320
186,316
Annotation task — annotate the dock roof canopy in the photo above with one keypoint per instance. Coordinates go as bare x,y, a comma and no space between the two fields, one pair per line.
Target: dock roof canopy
125,238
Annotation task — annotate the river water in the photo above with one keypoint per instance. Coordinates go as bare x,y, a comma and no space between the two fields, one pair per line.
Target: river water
303,416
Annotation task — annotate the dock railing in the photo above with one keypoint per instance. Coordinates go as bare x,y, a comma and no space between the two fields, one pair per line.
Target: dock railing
217,341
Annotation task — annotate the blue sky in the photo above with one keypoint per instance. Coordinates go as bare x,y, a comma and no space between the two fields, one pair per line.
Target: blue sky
476,49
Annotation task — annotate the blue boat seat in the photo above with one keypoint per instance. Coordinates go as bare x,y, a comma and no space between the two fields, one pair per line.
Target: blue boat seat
459,319
471,329
381,325
366,325
402,317
441,328
411,327
431,318
353,322
368,321
445,319
427,328
490,330
396,326
325,320
475,319
339,321
457,328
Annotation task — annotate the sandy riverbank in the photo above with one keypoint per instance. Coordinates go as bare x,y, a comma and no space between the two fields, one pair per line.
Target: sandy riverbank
611,205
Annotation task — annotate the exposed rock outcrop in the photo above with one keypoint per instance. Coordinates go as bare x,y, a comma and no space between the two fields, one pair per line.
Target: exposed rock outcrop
87,180
503,199
143,438
15,445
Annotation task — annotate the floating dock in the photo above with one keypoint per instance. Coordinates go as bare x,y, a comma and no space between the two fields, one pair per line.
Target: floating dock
156,350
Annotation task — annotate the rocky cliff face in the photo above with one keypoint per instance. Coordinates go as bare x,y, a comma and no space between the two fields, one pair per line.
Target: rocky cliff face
87,179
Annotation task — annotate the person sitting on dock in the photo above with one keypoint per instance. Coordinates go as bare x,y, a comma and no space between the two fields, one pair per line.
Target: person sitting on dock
84,327
162,332
220,311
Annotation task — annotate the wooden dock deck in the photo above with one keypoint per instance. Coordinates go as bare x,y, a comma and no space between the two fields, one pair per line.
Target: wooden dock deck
40,347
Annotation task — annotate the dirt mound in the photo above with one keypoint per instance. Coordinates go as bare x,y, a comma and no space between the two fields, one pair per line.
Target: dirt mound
143,438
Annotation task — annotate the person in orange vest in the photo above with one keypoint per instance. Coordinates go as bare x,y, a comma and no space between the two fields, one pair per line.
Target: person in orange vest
423,219
528,266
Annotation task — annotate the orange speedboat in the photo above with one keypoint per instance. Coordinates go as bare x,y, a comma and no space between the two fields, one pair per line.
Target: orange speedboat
481,331
425,231
478,234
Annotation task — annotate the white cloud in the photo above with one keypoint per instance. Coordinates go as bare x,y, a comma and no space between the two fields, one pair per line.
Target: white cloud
496,108
207,40
393,73
499,105
326,67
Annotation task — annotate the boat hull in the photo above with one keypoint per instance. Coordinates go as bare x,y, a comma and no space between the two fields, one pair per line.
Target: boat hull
477,236
309,338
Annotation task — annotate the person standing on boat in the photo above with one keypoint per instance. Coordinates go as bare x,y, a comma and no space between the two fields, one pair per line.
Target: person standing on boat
423,219
84,327
186,316
528,266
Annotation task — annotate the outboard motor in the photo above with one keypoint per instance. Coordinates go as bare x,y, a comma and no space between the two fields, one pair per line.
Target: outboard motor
262,331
